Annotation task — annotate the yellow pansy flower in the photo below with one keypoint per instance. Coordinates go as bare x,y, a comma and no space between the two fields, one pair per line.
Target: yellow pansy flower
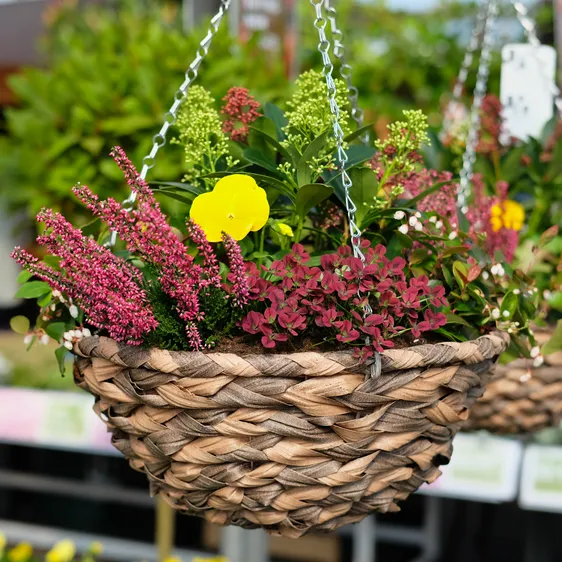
20,553
237,206
508,214
63,551
285,229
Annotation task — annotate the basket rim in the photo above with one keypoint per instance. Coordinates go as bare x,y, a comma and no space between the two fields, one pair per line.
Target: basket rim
484,348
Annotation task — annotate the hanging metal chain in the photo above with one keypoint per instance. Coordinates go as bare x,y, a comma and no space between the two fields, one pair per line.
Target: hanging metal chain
530,29
473,45
346,71
469,156
328,69
159,140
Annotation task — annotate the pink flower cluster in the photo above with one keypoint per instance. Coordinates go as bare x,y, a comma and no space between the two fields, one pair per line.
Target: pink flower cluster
107,288
241,110
148,235
292,298
444,202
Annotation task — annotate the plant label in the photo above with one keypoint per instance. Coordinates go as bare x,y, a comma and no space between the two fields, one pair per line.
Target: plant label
527,80
541,479
482,468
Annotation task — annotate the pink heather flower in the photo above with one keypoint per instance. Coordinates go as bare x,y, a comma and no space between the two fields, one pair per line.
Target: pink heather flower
147,233
210,262
107,288
240,286
241,110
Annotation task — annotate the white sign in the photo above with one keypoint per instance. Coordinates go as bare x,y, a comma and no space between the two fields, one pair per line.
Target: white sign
527,76
482,468
541,479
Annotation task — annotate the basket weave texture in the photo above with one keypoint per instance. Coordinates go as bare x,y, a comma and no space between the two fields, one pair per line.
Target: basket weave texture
288,442
520,399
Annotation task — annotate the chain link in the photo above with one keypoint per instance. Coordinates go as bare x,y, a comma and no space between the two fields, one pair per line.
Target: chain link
530,28
159,140
473,45
469,156
346,71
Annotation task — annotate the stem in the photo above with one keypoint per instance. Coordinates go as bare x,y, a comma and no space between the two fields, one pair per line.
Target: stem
261,246
298,233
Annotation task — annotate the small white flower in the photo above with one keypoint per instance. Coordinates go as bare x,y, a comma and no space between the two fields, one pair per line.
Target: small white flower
433,219
86,332
399,215
547,295
510,331
516,292
73,311
418,215
453,235
506,314
68,345
419,226
535,290
45,339
77,334
485,275
439,225
413,221
496,313
53,307
68,336
535,352
56,294
404,229
28,339
495,269
538,361
516,324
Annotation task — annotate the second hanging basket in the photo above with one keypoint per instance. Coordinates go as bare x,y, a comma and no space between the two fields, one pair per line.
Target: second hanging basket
288,442
521,399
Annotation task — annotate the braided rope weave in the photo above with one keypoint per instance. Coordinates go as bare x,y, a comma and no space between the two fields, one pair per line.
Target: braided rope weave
521,399
291,443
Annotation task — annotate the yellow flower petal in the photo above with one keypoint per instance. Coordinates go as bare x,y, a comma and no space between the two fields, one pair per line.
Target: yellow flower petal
285,229
509,214
237,206
20,553
63,551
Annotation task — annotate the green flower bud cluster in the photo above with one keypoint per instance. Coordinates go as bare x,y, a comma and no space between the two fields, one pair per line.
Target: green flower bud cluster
308,111
200,131
405,138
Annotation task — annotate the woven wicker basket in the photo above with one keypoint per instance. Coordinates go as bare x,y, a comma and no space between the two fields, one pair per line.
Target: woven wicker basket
291,443
521,399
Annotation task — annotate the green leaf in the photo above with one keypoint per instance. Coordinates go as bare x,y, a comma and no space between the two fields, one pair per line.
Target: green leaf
33,290
165,186
456,319
268,138
60,354
271,111
405,241
308,196
369,128
548,236
56,330
256,157
304,173
461,273
128,124
554,344
24,276
509,304
20,324
364,190
555,301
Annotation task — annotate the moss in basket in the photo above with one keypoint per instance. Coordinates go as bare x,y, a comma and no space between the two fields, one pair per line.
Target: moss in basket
266,255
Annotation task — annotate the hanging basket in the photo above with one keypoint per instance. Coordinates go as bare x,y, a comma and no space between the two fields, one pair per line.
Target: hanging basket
521,399
288,442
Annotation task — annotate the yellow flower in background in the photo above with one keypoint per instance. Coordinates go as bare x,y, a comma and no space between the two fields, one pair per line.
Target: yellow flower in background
172,559
2,544
20,553
285,229
63,551
96,548
216,559
508,214
237,206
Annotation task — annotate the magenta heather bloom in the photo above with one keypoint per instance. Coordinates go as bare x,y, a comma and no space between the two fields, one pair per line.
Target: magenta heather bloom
237,276
107,288
210,263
